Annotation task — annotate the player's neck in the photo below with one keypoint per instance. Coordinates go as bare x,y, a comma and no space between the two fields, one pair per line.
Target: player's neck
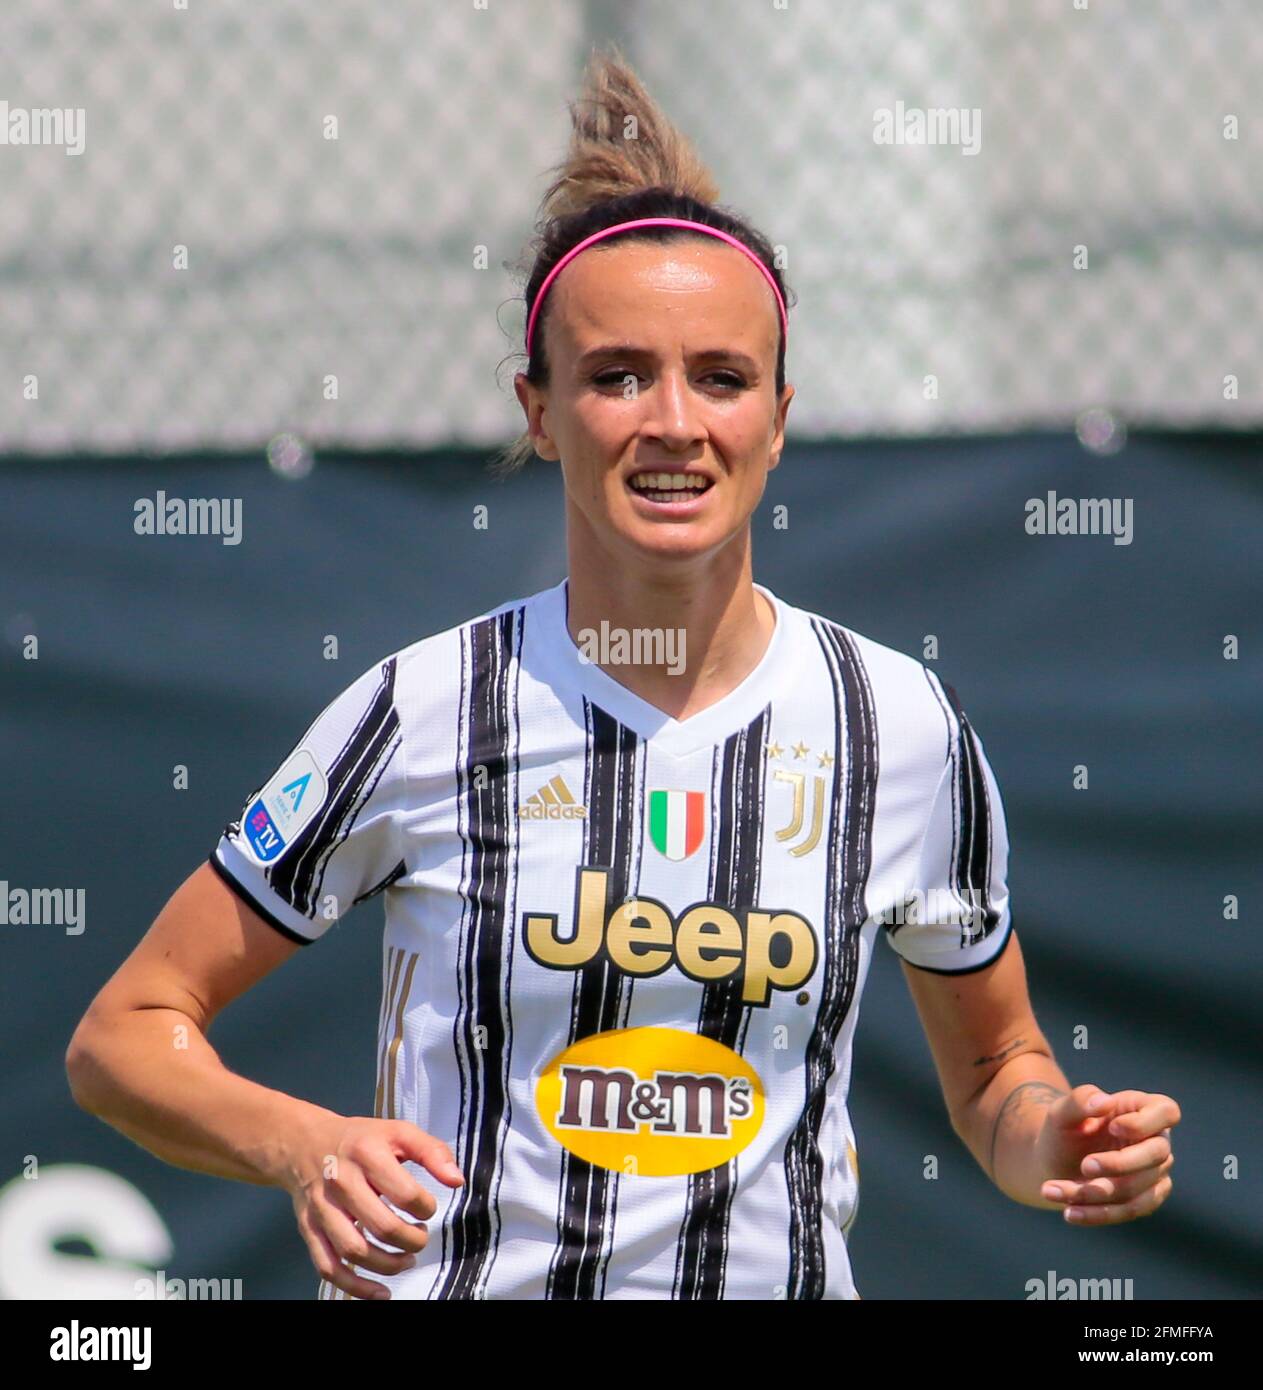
714,626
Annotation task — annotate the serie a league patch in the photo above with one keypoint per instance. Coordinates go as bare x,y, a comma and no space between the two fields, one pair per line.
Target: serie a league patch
289,802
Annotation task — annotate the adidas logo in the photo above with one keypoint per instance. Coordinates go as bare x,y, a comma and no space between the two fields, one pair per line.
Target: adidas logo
552,802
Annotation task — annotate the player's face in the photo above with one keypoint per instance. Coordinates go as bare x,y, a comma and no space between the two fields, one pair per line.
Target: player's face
662,361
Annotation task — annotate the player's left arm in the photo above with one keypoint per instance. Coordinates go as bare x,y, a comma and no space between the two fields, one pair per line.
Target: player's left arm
1101,1157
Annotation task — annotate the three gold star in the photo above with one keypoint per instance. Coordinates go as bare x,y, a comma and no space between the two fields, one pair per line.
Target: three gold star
800,751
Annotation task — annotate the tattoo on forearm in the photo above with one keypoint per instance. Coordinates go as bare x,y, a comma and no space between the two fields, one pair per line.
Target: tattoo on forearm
1028,1093
1004,1052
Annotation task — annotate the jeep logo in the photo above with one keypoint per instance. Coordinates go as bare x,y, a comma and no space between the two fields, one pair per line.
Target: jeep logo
765,950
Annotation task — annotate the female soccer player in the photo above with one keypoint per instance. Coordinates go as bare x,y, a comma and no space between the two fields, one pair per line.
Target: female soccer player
637,835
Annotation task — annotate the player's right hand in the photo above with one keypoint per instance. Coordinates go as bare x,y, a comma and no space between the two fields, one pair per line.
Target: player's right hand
339,1175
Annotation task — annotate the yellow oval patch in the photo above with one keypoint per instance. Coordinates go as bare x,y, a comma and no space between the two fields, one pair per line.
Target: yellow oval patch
651,1102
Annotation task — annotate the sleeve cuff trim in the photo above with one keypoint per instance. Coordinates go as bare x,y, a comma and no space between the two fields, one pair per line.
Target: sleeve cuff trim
967,969
252,902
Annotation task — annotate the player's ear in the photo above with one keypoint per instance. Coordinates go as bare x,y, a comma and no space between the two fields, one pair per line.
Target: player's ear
533,401
778,439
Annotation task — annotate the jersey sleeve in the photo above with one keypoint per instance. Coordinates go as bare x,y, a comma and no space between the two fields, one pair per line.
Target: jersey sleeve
323,833
958,918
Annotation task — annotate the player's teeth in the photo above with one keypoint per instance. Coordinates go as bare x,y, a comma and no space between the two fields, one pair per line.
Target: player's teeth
669,482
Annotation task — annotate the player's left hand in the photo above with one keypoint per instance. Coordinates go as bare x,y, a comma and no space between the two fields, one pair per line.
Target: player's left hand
1107,1154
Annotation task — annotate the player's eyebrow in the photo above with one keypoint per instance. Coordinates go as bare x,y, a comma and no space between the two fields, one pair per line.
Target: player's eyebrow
732,355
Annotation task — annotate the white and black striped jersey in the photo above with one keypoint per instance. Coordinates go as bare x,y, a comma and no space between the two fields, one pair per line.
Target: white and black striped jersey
624,953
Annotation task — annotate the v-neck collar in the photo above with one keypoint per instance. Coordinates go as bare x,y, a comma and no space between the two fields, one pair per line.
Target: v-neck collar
701,730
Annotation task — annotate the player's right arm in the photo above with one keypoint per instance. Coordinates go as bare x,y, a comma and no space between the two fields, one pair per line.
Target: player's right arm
140,1059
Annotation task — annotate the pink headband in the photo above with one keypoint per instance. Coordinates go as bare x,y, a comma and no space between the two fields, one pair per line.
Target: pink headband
652,222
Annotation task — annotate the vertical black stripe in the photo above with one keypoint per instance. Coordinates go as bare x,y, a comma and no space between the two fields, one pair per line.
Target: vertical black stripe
462,766
972,869
587,1195
737,822
632,817
487,788
372,740
359,792
848,866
